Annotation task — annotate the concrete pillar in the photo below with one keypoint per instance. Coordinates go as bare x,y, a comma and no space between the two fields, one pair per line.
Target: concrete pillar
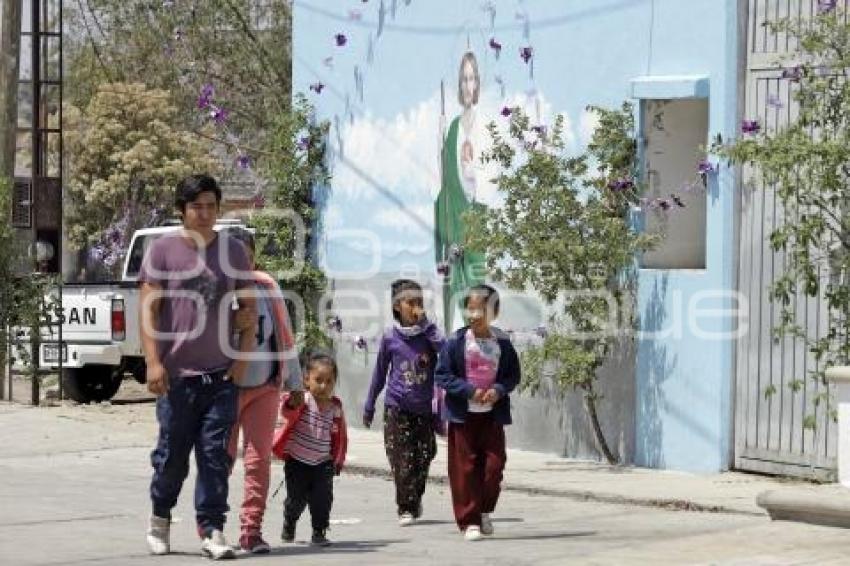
839,377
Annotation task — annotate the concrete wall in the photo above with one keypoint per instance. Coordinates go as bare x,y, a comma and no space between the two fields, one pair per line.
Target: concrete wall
668,398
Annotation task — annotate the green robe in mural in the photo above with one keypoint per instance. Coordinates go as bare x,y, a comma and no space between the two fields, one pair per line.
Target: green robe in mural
449,229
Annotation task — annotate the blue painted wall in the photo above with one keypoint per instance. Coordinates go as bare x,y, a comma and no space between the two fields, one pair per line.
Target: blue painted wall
585,52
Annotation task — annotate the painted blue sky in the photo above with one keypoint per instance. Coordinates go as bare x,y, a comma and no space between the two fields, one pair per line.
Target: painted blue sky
387,173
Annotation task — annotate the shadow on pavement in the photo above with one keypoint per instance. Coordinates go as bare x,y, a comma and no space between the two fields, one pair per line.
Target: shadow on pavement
544,536
338,546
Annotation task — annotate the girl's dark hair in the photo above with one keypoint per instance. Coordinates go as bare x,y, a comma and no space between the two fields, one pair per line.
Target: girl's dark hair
320,357
190,187
244,236
490,294
398,287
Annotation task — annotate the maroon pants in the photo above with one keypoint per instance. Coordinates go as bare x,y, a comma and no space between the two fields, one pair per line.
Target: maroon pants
477,458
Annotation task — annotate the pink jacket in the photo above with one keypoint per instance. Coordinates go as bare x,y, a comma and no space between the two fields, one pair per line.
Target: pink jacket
290,416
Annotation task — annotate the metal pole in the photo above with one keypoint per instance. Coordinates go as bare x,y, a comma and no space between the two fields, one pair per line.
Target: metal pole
37,174
10,49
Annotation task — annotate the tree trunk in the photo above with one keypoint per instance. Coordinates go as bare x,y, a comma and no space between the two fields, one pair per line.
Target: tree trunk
10,44
590,406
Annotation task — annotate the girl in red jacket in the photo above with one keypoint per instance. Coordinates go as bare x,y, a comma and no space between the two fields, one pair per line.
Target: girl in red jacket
312,440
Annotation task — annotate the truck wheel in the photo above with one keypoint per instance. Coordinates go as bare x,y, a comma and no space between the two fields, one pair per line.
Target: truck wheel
90,383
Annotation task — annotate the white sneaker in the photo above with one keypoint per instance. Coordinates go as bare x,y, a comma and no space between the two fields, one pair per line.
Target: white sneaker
159,535
472,532
486,524
406,519
215,546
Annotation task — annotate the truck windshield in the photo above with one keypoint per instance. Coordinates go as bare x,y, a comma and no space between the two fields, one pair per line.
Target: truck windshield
137,254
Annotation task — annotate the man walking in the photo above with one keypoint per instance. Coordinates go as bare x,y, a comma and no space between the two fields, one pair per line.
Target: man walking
185,328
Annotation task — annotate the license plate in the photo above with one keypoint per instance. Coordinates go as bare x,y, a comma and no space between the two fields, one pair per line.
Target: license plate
51,353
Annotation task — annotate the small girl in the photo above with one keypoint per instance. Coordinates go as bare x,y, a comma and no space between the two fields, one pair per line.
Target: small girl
408,354
259,397
478,368
312,441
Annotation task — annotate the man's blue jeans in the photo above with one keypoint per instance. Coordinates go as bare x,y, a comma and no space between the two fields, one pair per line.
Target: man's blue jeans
197,412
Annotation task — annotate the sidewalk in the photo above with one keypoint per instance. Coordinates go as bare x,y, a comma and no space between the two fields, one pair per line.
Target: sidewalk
134,425
535,472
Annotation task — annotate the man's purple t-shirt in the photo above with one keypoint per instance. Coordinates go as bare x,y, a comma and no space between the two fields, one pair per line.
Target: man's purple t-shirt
195,285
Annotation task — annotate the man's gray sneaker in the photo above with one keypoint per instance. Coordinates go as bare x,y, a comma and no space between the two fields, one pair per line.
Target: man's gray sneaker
159,535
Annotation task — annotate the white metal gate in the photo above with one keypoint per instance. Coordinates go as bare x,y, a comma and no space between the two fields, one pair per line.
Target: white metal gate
770,434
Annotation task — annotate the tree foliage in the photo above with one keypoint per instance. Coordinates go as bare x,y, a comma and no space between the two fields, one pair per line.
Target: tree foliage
127,157
240,46
564,231
296,174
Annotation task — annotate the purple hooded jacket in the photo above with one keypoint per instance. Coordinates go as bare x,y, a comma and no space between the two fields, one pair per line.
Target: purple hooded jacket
406,362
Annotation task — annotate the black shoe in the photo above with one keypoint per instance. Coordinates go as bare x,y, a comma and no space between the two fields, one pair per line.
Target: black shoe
319,538
288,533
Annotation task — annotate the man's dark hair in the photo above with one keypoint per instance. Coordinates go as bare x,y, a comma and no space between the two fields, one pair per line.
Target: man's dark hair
398,287
490,294
190,187
320,357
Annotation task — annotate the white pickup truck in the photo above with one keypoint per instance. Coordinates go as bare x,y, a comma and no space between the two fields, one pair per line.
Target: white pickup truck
100,328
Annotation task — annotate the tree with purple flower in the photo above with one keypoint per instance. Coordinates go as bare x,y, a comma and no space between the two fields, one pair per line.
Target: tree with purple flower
561,211
125,167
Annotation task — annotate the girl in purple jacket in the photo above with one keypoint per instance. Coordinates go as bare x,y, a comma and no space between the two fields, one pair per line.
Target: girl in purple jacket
406,360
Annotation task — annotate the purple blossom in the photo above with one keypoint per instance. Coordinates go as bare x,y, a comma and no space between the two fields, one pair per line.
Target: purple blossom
678,201
205,98
443,268
219,115
663,204
750,127
317,87
243,161
705,166
340,39
526,53
619,185
540,130
506,111
495,46
360,343
793,74
825,6
304,143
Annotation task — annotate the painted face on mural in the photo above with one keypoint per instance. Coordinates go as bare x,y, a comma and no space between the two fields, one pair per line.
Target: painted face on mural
468,84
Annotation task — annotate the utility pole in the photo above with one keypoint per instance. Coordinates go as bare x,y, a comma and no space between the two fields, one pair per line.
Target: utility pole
10,50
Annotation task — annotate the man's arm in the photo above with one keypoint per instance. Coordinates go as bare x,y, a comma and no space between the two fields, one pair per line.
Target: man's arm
247,340
149,306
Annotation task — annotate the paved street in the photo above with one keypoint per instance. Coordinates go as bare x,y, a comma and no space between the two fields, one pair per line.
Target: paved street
74,485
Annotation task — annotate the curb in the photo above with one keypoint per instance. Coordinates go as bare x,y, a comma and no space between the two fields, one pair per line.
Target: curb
368,471
805,506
